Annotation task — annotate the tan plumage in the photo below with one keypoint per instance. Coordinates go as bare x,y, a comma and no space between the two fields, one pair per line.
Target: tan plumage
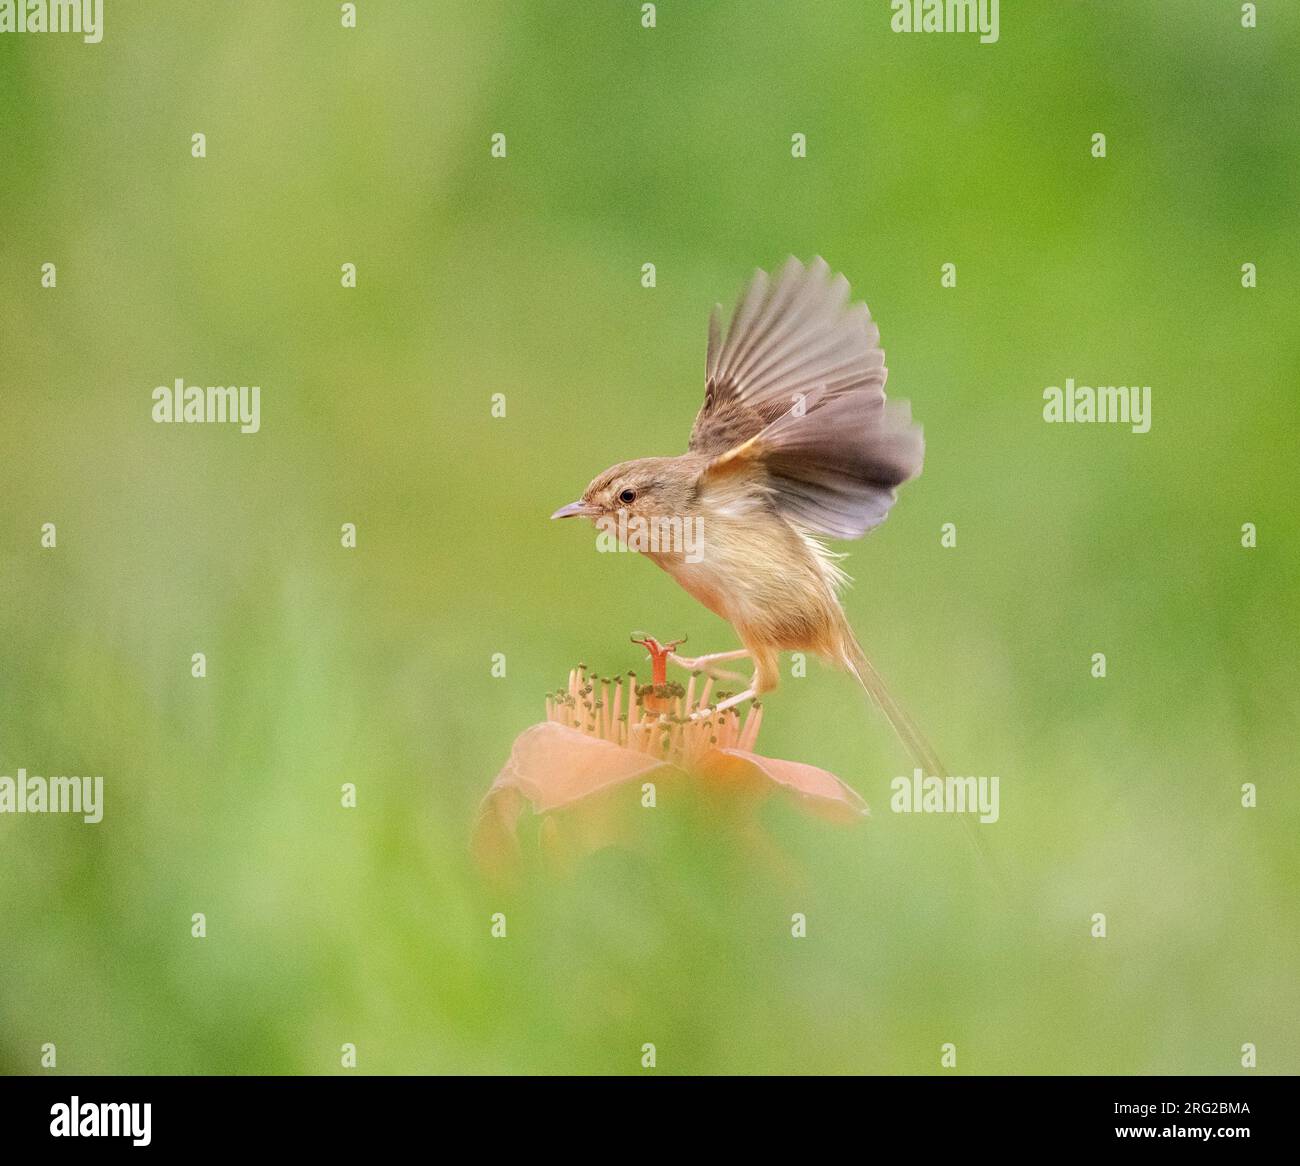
795,442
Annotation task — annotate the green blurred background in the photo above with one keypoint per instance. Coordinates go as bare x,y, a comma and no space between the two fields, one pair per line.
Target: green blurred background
522,276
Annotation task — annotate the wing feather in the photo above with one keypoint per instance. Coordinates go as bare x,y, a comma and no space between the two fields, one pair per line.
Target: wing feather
798,386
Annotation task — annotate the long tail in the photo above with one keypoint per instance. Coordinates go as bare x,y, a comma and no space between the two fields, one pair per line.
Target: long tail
918,748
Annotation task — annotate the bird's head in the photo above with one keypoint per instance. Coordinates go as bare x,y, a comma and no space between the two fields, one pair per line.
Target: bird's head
652,487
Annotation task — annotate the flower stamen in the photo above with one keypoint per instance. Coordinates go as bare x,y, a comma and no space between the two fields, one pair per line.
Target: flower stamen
657,717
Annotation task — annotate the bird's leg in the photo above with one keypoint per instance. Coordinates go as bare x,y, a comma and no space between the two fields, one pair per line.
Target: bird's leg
765,679
705,663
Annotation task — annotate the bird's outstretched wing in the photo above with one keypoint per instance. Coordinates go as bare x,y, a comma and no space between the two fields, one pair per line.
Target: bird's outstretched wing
798,386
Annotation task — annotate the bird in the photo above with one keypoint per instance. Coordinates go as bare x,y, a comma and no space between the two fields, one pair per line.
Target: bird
794,444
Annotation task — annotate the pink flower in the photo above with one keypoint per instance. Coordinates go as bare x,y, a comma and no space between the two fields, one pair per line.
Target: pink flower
582,771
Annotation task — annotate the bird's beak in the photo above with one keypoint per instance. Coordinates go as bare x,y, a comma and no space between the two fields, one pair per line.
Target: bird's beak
575,510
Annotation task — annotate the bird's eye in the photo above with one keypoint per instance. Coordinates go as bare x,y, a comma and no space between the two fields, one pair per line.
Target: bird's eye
627,496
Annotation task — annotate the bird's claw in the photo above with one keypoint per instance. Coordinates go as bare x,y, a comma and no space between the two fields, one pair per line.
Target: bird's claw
701,664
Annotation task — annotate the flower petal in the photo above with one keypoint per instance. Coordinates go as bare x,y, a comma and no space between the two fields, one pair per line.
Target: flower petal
814,789
495,843
555,768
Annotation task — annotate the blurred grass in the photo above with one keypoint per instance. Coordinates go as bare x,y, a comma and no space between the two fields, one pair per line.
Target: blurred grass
521,276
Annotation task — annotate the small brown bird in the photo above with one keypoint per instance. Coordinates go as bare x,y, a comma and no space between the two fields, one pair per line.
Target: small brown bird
795,442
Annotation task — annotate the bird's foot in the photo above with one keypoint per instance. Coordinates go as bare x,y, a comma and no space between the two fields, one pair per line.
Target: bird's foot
707,664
